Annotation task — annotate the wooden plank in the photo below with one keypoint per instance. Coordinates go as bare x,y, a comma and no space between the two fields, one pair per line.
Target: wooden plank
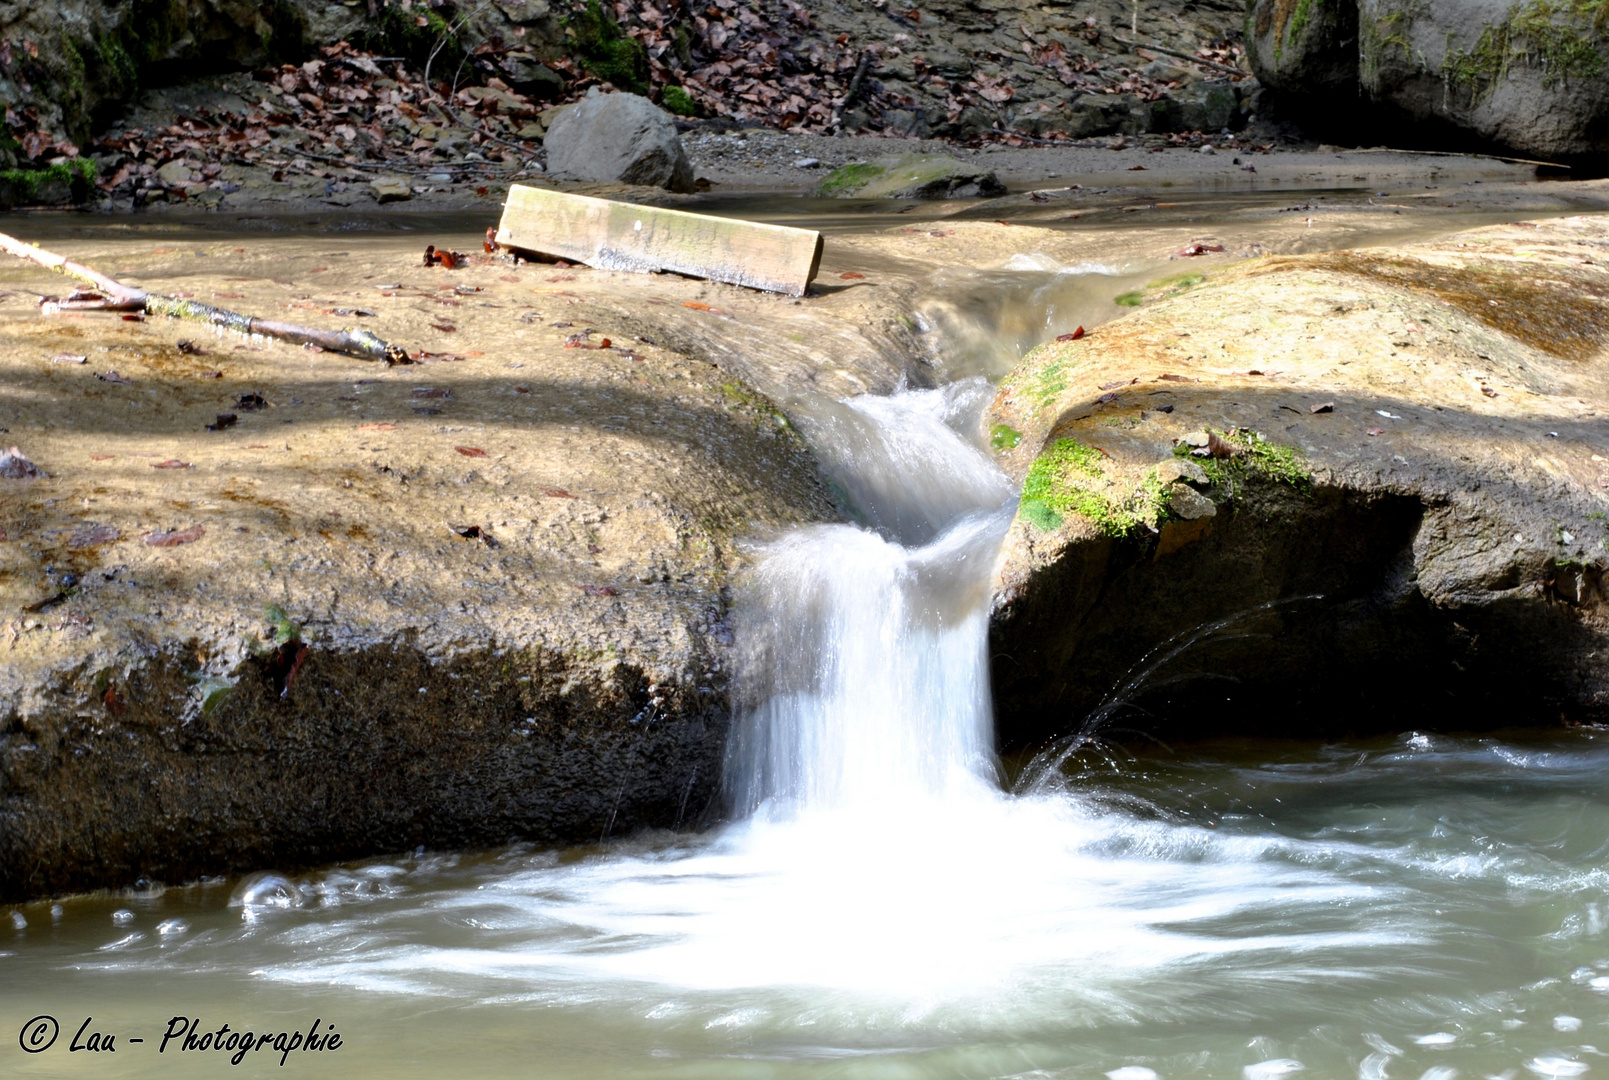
611,235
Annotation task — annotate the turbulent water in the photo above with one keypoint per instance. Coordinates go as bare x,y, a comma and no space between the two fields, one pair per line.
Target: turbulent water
884,905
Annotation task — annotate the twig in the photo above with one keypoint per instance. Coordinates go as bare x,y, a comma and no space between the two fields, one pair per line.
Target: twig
1182,56
120,297
854,88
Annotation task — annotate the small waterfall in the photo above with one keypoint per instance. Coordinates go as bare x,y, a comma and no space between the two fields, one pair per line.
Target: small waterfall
865,680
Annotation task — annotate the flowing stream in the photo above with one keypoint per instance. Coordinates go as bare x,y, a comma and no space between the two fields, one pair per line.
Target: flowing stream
884,905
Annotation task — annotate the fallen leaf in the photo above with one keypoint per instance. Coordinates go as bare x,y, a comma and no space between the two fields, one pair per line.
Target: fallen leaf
1120,382
172,463
227,295
1322,407
1197,248
134,318
1219,448
189,348
113,701
522,389
1074,336
556,493
599,590
68,358
1176,378
102,457
251,402
225,420
377,427
696,306
1488,391
175,537
470,451
432,392
113,377
90,535
209,374
1137,168
850,275
446,328
1377,431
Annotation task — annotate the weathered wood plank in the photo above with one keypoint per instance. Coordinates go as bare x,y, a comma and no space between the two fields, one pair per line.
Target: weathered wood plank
625,236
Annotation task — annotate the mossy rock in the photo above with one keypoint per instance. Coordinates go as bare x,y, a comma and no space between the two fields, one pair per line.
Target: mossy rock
911,176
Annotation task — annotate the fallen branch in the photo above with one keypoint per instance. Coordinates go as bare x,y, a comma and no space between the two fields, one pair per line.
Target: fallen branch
1164,50
116,296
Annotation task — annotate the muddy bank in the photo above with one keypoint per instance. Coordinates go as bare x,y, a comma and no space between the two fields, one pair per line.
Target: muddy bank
1376,481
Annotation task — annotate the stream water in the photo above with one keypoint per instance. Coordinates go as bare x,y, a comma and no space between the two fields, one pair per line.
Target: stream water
885,903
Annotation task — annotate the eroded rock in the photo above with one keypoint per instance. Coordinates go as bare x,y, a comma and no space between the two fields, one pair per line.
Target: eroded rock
1431,550
912,176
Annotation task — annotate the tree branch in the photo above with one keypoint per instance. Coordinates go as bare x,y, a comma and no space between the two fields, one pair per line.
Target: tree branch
120,297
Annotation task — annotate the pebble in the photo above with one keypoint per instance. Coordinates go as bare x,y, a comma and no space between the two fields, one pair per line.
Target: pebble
806,163
1175,469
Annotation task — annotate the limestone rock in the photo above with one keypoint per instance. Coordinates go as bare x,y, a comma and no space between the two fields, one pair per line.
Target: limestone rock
1434,550
1174,470
389,189
912,176
618,138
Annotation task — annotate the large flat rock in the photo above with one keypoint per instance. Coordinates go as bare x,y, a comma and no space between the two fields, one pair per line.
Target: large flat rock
1403,516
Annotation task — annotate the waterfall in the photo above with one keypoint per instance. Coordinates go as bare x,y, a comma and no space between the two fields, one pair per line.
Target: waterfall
864,682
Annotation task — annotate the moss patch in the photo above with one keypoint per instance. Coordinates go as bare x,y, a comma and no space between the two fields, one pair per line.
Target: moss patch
1072,478
847,179
605,50
28,185
1562,37
1161,289
678,101
1004,437
1257,458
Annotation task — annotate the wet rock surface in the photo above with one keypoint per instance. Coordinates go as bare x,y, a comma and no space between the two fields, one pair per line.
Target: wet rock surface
1408,456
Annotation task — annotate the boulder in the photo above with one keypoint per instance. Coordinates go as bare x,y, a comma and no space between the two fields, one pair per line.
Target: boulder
1406,510
1530,76
1307,48
618,138
912,176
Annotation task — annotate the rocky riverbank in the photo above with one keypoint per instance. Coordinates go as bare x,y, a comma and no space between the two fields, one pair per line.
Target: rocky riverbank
1375,482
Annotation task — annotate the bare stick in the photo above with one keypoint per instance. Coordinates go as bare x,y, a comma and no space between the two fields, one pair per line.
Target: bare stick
121,297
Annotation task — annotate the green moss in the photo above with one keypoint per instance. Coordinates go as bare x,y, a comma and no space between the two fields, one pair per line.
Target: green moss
1562,37
1069,478
604,50
1048,383
1161,289
116,61
285,629
1257,458
677,100
1004,437
395,31
849,178
27,184
1301,17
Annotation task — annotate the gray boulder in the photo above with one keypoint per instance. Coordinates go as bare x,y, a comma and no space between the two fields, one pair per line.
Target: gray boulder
1530,76
618,138
1308,48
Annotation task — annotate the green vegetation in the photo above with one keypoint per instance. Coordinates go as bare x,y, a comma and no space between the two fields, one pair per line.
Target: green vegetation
1161,289
1068,478
849,178
395,31
27,184
1004,437
1563,37
1256,457
285,629
678,101
604,49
